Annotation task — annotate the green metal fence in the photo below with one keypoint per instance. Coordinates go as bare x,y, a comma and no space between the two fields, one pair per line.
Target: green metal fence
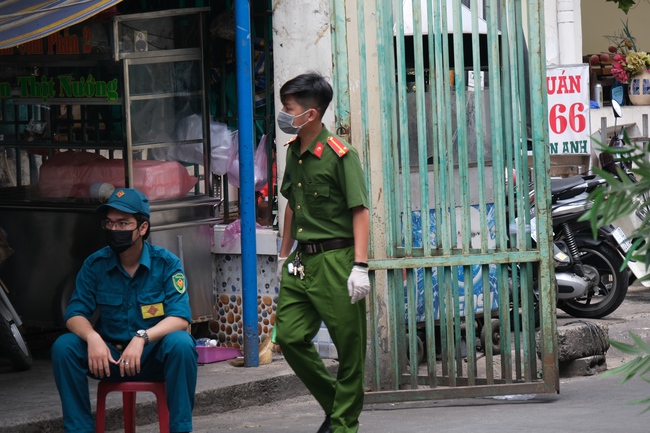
445,98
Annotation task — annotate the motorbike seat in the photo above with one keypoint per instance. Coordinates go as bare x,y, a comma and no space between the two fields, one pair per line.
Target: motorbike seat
560,185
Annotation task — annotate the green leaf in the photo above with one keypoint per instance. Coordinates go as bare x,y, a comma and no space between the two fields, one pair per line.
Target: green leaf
639,342
625,347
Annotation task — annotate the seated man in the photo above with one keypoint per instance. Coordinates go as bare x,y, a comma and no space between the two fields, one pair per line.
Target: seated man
140,293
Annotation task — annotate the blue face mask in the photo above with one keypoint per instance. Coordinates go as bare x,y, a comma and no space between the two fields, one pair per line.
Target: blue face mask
285,122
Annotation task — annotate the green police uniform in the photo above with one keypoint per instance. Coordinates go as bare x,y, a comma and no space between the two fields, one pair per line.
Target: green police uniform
322,185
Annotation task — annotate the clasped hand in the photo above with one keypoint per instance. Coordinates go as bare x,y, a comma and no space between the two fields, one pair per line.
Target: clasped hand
100,358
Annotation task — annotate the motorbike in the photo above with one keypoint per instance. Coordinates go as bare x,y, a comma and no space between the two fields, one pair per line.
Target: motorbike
629,223
11,339
590,283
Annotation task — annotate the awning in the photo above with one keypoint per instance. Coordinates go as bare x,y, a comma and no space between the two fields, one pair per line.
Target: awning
25,20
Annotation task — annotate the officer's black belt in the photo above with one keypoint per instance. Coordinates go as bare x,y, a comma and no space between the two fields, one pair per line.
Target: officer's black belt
321,247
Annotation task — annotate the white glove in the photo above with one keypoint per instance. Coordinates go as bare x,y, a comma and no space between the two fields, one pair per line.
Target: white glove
278,274
358,283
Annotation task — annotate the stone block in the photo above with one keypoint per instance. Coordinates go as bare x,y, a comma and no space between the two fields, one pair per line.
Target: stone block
579,339
587,366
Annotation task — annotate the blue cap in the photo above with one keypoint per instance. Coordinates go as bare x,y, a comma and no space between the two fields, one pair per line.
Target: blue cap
127,200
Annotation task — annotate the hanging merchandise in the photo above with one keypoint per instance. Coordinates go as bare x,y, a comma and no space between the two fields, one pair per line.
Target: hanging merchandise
260,168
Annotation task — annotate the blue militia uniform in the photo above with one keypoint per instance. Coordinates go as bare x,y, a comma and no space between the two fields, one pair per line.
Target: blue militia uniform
127,304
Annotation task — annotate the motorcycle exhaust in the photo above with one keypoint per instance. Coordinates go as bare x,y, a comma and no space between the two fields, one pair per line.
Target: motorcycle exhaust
570,286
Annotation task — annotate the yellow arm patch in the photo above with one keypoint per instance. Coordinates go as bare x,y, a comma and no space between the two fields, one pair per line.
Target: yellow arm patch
153,310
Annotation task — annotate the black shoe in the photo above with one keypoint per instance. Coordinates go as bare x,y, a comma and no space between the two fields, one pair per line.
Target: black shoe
326,427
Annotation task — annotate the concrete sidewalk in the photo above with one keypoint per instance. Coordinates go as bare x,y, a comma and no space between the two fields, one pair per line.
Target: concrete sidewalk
30,402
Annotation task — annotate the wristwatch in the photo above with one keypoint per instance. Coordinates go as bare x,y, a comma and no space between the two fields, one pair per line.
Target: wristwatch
142,333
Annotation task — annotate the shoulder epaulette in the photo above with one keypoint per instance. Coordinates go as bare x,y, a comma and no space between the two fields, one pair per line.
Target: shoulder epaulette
337,145
291,141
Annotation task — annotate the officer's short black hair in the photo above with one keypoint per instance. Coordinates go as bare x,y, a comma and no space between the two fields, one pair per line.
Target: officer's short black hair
140,218
310,90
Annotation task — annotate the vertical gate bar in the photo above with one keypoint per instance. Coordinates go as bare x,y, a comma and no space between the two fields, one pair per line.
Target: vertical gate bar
396,314
463,168
539,110
461,131
443,215
487,309
494,67
363,95
434,85
411,302
457,321
527,299
504,330
429,322
365,144
386,78
449,234
423,169
478,121
470,327
421,115
388,135
450,351
402,104
438,53
375,379
511,143
340,64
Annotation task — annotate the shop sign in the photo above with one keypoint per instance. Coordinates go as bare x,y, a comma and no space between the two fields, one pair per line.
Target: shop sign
59,43
568,109
62,87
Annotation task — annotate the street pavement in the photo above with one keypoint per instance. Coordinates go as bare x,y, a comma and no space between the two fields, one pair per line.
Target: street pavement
271,399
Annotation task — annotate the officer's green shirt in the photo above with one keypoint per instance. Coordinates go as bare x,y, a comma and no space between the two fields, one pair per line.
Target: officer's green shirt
322,187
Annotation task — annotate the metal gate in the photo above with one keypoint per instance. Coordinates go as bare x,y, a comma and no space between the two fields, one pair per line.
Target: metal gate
447,101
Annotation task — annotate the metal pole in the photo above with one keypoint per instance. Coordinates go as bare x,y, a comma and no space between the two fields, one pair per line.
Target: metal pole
246,180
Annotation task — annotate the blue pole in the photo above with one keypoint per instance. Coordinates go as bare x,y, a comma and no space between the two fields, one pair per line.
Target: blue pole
246,179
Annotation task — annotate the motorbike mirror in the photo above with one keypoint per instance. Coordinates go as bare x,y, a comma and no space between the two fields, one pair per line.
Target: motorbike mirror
616,107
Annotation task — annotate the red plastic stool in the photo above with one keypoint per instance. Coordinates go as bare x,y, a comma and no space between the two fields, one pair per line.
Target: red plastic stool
128,390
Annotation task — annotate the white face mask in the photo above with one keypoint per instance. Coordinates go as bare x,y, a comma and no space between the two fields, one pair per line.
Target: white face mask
285,122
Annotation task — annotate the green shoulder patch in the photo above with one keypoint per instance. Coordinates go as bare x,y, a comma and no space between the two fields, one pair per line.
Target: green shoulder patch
179,282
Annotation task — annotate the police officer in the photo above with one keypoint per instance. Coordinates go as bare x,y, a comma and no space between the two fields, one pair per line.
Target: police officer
140,292
325,279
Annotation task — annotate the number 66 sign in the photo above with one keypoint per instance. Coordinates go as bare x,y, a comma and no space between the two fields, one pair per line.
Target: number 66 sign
568,109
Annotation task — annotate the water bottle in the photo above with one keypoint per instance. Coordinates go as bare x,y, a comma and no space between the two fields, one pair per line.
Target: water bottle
598,94
206,342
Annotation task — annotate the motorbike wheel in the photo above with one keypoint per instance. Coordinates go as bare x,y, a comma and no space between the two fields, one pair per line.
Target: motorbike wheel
609,293
11,340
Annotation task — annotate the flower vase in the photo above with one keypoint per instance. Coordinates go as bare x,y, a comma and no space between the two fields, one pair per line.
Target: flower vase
639,88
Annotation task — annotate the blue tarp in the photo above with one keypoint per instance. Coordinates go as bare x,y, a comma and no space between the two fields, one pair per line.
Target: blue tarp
26,20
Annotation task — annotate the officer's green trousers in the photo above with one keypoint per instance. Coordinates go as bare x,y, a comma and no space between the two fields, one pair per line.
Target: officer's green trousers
323,297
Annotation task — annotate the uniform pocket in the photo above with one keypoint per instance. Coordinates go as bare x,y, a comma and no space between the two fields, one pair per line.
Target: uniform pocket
151,304
110,307
318,200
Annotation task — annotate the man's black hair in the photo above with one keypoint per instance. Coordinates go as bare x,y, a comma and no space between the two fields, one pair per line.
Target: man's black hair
140,218
310,90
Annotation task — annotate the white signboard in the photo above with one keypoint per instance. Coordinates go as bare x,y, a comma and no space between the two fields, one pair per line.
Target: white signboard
568,109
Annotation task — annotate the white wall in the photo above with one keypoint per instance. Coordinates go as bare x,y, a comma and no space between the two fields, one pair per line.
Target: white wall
601,18
563,31
302,43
